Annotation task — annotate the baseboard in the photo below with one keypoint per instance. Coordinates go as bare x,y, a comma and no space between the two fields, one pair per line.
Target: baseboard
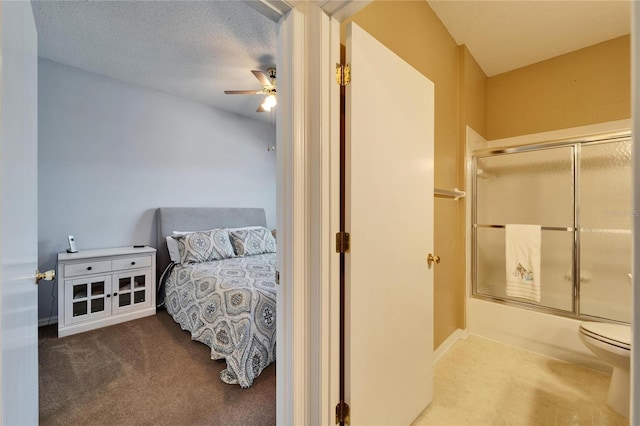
448,343
47,321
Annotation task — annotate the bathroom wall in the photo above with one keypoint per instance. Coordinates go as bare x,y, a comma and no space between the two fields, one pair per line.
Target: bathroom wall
473,96
587,86
473,126
413,31
579,93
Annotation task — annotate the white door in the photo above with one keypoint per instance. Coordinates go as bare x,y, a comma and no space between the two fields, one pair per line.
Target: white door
18,215
389,215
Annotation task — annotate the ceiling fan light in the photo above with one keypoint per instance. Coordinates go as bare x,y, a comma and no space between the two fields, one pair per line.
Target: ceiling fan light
269,102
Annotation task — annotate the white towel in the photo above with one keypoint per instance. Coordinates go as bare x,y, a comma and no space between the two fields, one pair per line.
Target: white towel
523,243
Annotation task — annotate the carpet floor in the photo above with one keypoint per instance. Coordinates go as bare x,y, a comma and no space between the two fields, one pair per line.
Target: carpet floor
144,372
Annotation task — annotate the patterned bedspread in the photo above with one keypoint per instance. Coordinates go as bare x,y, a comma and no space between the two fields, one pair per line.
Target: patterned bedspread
229,305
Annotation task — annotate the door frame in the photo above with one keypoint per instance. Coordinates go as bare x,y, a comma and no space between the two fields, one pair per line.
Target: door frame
306,217
308,197
635,114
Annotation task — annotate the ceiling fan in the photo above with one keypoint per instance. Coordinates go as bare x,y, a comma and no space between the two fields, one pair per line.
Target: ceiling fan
268,81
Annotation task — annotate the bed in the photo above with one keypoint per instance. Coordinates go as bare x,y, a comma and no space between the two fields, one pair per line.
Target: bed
229,304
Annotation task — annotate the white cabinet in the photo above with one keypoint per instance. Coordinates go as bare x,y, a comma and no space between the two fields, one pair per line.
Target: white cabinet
97,288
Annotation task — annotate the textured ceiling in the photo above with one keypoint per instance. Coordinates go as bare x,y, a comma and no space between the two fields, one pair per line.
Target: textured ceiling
193,49
198,49
505,35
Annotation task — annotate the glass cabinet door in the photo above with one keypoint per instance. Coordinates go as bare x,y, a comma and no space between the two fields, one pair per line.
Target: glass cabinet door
87,298
132,290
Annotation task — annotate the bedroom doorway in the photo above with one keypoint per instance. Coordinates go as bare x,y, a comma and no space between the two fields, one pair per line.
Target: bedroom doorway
194,143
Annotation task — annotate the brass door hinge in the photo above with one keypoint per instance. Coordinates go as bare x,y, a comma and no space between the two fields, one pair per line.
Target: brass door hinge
343,74
342,413
342,242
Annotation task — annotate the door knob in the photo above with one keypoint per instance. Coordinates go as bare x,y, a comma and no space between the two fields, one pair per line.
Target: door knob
431,258
47,276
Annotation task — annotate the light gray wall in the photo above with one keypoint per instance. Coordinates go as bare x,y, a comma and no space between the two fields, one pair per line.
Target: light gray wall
110,153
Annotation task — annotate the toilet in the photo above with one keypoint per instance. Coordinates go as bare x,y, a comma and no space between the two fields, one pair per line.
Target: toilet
612,344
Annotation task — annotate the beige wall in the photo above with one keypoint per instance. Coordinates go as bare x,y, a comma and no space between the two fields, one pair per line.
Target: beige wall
413,31
472,113
588,86
473,95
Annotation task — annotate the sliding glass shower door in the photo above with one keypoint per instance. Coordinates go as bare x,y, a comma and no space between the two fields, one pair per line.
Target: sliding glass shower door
606,214
533,187
580,195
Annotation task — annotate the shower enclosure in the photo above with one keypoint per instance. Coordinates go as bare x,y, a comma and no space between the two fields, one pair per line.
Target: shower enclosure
580,193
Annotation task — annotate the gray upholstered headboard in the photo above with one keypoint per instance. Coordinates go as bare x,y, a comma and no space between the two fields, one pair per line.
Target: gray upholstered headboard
200,219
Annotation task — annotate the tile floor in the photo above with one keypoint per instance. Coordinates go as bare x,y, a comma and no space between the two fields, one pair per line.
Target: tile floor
480,382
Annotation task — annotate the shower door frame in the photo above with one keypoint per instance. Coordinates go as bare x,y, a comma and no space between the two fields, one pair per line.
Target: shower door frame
575,144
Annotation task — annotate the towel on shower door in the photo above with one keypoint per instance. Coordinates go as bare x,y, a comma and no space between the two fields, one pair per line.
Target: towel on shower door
523,243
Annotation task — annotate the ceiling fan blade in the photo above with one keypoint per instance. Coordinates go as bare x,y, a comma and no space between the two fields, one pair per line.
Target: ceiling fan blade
262,77
243,92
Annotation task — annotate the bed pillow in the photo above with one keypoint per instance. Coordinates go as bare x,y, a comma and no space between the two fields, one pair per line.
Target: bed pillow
204,246
174,250
252,240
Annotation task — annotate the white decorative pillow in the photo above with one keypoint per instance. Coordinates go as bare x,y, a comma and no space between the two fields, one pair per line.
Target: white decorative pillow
252,240
204,246
174,251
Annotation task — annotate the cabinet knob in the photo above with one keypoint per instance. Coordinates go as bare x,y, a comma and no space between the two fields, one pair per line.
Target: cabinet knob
133,263
115,294
89,268
108,295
